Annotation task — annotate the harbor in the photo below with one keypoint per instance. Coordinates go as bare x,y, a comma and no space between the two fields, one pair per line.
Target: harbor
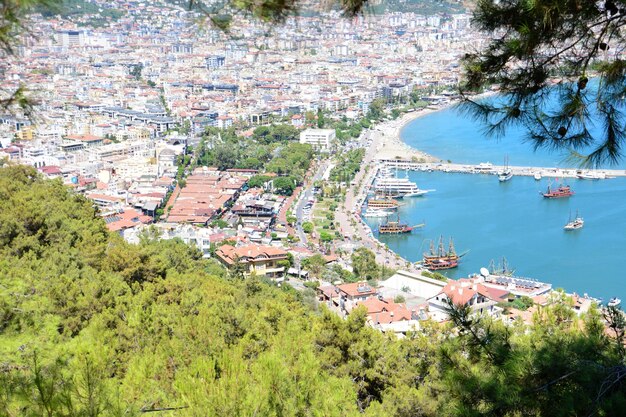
507,218
516,221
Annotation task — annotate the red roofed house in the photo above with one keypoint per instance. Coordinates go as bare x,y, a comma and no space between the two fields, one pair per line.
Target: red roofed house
224,122
387,315
357,291
297,120
122,220
51,171
105,200
467,292
11,153
255,259
346,296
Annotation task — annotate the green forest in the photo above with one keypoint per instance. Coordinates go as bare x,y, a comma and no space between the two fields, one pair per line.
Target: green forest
93,326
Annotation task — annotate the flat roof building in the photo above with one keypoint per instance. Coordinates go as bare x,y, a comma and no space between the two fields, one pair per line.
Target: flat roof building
319,138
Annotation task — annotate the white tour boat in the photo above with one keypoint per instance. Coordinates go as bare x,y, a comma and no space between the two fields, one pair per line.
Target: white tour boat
398,187
375,213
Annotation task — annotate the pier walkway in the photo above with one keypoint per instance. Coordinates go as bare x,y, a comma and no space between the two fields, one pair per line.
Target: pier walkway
487,168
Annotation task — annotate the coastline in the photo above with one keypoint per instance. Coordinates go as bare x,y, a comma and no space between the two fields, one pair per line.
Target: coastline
386,144
392,145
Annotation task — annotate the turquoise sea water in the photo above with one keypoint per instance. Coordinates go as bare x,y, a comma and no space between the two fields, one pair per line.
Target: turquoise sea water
449,135
492,219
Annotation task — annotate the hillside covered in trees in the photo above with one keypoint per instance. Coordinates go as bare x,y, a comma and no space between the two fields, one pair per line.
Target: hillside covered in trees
93,326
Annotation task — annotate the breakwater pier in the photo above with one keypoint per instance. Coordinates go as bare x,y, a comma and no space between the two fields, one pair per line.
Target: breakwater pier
488,168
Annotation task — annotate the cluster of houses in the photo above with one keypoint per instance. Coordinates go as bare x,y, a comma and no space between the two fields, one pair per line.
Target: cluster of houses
400,303
206,194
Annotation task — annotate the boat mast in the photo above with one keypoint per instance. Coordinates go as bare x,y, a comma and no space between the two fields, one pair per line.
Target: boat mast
441,251
505,268
451,248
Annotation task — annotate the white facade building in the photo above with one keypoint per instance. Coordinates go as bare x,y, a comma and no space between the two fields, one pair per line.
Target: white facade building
318,138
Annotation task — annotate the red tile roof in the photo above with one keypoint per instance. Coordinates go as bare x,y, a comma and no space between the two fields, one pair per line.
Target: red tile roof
357,289
126,219
385,311
84,138
463,290
230,254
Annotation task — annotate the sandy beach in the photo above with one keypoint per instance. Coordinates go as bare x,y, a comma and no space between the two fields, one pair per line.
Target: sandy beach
392,146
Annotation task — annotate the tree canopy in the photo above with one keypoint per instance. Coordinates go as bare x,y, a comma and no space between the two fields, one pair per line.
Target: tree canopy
560,65
93,326
364,264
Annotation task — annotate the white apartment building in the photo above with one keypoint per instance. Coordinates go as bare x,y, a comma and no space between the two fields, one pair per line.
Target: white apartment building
143,149
318,138
72,38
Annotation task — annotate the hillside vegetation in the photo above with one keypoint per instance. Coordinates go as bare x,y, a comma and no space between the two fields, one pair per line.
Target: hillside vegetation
88,13
93,326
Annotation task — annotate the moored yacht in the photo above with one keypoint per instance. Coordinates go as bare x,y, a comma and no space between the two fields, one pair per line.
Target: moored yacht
394,227
382,203
591,175
375,213
484,167
398,187
614,302
506,173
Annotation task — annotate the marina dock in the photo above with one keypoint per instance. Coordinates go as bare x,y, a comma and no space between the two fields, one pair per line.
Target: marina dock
487,168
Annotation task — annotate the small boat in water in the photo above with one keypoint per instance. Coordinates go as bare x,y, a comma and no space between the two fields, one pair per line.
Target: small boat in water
537,176
560,192
506,173
614,302
577,223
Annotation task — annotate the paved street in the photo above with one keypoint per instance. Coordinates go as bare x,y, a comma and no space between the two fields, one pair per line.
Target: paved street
348,215
307,193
